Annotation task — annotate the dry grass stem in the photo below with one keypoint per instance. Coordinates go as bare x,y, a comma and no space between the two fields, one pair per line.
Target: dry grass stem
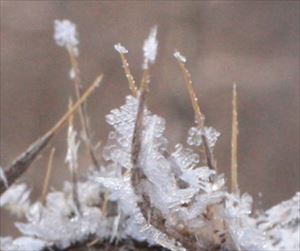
24,160
82,110
48,175
234,138
131,82
199,116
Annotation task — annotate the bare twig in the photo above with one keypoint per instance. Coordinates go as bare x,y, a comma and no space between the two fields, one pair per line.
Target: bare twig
234,136
48,174
82,110
23,161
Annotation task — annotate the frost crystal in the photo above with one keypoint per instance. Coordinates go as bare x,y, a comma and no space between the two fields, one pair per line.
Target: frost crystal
16,199
21,244
164,198
65,34
195,136
179,56
121,49
281,224
150,48
3,176
72,155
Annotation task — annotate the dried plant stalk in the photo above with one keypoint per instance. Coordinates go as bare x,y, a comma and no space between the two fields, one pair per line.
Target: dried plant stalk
48,174
199,116
24,160
234,136
131,82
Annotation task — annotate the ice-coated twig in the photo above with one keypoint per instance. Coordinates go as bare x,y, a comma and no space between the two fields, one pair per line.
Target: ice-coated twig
132,86
66,36
24,160
199,116
72,160
234,138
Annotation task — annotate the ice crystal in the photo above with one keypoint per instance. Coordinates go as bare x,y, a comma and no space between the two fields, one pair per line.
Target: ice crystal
21,244
178,55
195,136
65,34
120,48
16,199
72,155
281,224
3,176
150,48
175,202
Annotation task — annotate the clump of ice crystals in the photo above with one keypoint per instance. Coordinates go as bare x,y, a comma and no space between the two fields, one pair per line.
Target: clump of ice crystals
195,136
190,198
188,201
65,34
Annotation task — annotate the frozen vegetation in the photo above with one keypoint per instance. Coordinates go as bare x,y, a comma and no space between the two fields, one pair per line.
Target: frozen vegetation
142,190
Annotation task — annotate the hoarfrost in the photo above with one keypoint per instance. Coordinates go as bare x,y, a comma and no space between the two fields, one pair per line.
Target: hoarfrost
120,48
65,34
195,136
179,56
150,48
3,176
16,199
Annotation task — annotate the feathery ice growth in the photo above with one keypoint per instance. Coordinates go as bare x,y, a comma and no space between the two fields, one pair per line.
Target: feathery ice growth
138,193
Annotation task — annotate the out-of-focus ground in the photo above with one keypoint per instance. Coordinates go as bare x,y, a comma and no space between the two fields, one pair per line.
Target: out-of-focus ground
255,44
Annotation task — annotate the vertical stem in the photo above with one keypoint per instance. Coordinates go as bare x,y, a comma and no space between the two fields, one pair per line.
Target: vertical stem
234,137
82,109
48,175
131,81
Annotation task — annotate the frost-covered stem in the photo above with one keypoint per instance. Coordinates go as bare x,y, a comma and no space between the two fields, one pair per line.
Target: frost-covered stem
48,175
234,136
145,81
199,116
82,110
74,172
24,160
131,82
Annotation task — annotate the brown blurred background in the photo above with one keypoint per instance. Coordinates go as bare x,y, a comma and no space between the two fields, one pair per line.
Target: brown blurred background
255,44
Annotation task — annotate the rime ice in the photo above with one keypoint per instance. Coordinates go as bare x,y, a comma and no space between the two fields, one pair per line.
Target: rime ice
65,34
150,48
179,56
121,49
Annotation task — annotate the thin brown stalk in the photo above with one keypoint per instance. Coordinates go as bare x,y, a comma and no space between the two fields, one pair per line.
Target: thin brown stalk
131,82
48,175
199,116
82,110
24,160
234,138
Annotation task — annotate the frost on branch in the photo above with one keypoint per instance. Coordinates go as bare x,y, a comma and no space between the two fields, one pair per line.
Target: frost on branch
178,202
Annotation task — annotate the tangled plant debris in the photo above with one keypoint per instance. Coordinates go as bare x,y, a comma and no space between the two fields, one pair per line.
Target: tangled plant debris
142,195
